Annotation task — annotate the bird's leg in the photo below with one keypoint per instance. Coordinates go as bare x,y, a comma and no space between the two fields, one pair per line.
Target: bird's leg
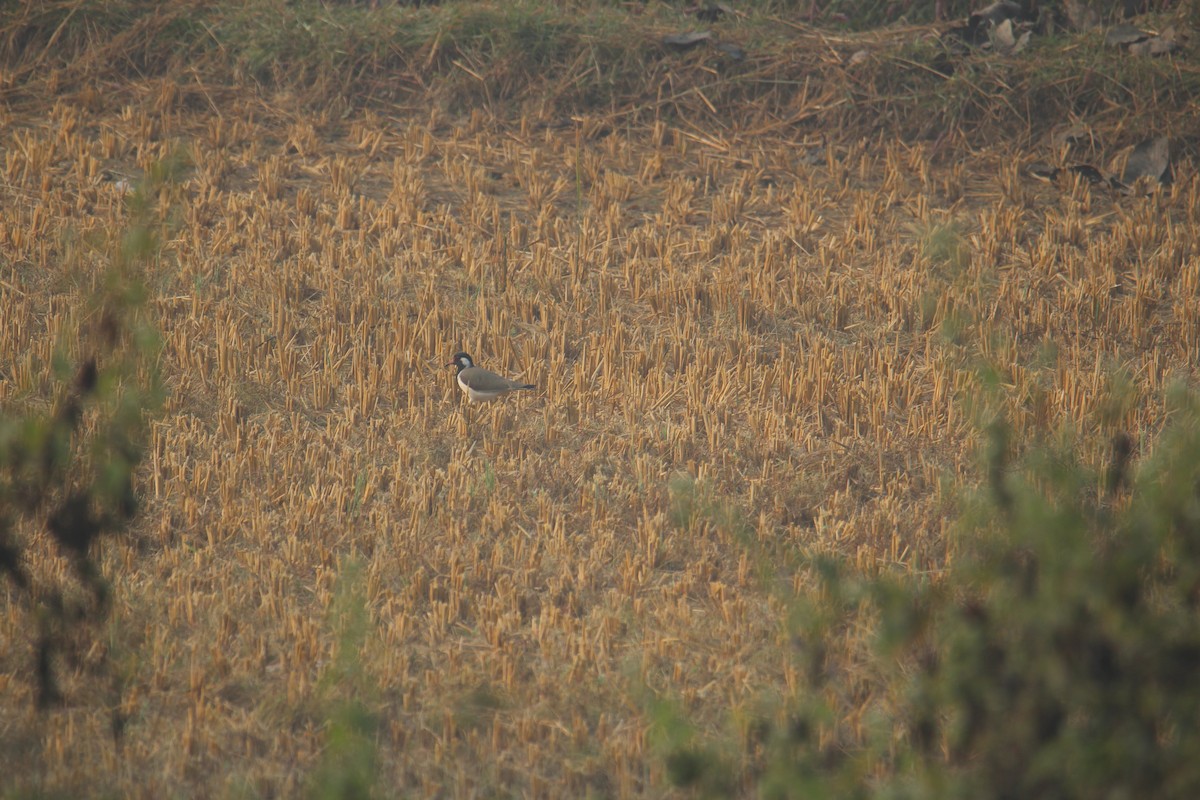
464,423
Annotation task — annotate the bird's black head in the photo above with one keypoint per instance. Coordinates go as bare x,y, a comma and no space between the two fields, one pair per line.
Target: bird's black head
462,361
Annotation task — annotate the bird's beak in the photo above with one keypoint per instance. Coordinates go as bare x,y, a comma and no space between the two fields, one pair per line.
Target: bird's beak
450,364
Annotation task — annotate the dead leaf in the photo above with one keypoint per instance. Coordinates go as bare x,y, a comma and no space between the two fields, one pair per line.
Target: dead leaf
1122,35
732,50
1043,172
859,57
686,41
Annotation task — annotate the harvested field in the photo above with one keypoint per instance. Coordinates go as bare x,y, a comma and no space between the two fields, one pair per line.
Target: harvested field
752,344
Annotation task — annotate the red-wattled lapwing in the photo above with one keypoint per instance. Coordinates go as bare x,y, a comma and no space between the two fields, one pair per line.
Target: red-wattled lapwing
480,384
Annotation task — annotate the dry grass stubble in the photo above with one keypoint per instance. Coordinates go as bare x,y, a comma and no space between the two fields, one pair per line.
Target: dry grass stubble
704,305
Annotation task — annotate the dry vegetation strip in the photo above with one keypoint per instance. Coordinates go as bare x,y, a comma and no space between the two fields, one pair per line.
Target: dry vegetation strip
687,301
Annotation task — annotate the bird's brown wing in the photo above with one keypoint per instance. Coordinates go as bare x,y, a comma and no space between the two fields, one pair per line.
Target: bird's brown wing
482,380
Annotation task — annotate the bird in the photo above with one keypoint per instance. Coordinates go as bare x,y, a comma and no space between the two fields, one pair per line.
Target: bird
481,385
